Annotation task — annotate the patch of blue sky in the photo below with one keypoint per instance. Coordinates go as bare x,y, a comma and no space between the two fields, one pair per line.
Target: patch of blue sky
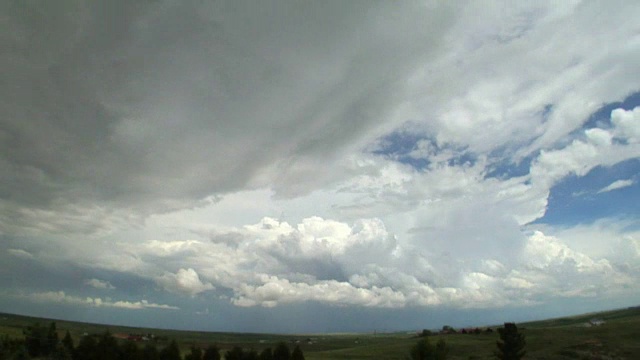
465,158
399,142
506,168
504,165
580,200
602,117
400,146
404,146
416,163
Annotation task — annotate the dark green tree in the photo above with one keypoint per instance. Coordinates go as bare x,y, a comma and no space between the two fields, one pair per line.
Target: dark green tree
297,354
511,343
52,338
236,353
212,352
60,353
87,349
266,354
5,347
130,351
281,352
21,354
150,352
12,348
170,352
448,330
194,354
424,350
442,350
250,355
67,342
107,347
35,339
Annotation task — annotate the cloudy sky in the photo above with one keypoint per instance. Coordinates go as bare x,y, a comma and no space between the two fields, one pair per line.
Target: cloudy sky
312,166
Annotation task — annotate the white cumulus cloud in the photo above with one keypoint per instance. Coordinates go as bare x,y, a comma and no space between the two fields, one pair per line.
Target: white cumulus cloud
99,284
185,281
61,297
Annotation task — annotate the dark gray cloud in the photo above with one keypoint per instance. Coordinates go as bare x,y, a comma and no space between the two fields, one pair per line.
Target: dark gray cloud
156,105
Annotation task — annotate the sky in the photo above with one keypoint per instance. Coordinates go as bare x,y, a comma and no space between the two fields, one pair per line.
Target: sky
318,166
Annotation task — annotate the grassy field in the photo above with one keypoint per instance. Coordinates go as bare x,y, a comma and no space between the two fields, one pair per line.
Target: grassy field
562,338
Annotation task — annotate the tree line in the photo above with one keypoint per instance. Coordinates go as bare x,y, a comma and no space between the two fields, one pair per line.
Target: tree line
42,342
510,346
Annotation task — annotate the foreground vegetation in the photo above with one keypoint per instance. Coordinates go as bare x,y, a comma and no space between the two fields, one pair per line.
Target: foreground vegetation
615,335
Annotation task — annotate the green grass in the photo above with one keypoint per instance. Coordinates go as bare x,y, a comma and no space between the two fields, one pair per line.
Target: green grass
562,338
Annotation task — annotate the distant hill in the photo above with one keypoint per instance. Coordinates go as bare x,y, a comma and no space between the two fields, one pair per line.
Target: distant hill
576,320
14,323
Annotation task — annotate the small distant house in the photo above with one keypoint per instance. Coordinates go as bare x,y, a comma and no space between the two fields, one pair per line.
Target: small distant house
131,337
596,322
446,330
